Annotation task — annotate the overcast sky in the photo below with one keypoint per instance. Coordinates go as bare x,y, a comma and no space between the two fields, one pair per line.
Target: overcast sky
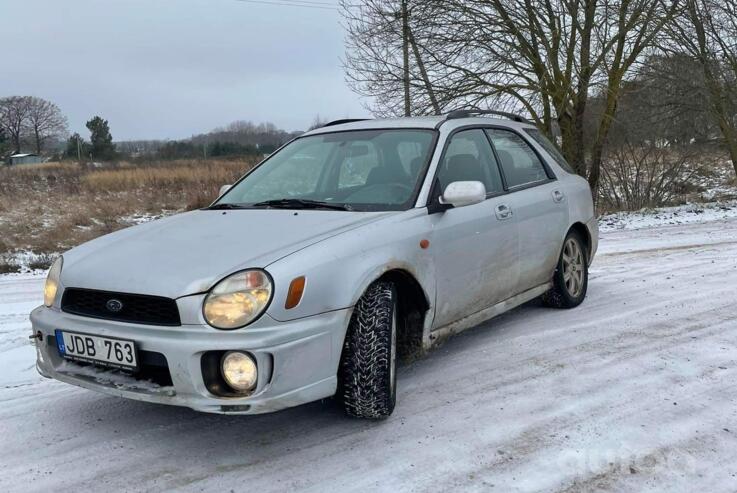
172,68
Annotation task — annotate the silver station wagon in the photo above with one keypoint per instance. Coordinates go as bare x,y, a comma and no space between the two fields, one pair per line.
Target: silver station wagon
352,246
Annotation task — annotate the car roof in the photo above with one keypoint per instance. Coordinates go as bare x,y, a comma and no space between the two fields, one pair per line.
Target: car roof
429,122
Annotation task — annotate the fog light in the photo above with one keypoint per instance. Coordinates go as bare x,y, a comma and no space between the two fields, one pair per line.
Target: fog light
239,371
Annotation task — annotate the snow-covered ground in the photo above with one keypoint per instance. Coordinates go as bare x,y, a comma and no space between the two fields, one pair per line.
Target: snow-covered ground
634,390
682,214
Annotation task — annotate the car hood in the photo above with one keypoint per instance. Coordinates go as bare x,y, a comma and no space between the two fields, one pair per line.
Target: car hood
187,253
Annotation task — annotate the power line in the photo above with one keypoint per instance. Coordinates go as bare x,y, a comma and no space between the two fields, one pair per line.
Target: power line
294,3
313,2
285,3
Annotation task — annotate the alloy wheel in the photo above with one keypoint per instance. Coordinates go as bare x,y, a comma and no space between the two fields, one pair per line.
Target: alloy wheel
573,267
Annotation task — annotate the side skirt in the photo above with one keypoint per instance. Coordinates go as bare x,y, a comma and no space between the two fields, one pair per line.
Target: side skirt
438,335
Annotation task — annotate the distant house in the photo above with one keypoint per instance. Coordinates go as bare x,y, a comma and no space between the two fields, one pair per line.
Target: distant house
15,159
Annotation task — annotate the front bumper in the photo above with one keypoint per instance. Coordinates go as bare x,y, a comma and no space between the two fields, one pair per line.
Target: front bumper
297,360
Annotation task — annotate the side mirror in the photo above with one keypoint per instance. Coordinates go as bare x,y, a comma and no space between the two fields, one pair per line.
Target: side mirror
224,189
462,193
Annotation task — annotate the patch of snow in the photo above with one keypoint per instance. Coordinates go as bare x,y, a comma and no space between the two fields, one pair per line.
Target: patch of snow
716,182
664,216
19,294
24,259
113,377
140,218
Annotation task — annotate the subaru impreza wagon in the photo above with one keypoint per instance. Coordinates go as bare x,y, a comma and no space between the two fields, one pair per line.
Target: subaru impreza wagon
351,246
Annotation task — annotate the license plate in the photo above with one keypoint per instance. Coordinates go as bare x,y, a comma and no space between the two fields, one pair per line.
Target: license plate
105,351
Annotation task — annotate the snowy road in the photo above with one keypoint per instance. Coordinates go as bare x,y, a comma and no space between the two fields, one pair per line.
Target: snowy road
634,390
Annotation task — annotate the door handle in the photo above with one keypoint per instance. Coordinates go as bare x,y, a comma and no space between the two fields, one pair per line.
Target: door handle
503,211
558,196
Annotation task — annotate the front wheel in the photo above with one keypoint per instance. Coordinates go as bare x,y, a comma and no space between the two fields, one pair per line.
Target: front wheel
367,375
571,278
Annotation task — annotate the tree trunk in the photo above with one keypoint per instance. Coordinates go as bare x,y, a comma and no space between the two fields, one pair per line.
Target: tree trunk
15,138
713,84
568,137
405,58
731,140
423,72
37,136
597,149
571,125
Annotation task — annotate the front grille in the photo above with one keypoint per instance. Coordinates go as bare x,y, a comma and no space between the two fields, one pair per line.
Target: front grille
134,308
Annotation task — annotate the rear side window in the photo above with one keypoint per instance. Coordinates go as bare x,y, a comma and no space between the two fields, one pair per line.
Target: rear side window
550,148
517,159
469,158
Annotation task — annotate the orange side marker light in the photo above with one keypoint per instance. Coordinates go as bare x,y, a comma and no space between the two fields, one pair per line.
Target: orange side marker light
294,296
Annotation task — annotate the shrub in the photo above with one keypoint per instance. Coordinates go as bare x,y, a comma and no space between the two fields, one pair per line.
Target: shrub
651,175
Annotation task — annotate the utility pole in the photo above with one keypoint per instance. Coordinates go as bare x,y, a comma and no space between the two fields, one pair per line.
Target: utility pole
405,56
79,150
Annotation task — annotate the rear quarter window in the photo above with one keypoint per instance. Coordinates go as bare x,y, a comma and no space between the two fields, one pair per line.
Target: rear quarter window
517,158
550,148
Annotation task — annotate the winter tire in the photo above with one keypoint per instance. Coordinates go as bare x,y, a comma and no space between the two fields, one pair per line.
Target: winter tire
571,277
367,373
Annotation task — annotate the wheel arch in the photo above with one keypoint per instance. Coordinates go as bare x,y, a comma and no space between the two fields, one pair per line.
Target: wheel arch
413,305
582,230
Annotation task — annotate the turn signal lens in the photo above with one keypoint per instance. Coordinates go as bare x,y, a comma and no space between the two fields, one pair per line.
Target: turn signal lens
294,296
52,282
239,371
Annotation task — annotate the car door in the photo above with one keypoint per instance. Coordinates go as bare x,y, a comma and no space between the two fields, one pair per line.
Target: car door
538,203
475,248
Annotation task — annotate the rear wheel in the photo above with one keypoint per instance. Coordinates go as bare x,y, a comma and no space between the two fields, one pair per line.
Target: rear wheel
571,278
368,377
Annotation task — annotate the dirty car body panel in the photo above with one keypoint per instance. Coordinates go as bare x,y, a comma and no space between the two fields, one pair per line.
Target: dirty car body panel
469,263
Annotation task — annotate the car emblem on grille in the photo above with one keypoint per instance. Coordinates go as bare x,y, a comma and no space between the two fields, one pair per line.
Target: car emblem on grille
114,305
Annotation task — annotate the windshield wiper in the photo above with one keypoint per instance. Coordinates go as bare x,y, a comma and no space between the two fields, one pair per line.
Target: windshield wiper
302,204
218,207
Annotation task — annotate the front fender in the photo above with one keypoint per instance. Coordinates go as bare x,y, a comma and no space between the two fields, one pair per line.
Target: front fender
338,270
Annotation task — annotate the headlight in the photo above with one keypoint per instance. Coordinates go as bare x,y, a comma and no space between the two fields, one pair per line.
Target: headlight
238,299
52,282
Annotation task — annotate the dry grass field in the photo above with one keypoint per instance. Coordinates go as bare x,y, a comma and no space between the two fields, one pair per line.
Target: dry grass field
49,208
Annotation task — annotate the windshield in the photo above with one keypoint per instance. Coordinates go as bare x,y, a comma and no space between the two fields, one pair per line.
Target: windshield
365,170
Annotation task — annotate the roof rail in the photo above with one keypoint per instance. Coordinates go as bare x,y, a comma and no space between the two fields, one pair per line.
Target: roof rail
345,120
456,114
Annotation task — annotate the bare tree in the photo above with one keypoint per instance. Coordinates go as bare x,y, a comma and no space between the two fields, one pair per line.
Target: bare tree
707,30
544,57
636,26
666,102
14,111
547,56
386,58
44,120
